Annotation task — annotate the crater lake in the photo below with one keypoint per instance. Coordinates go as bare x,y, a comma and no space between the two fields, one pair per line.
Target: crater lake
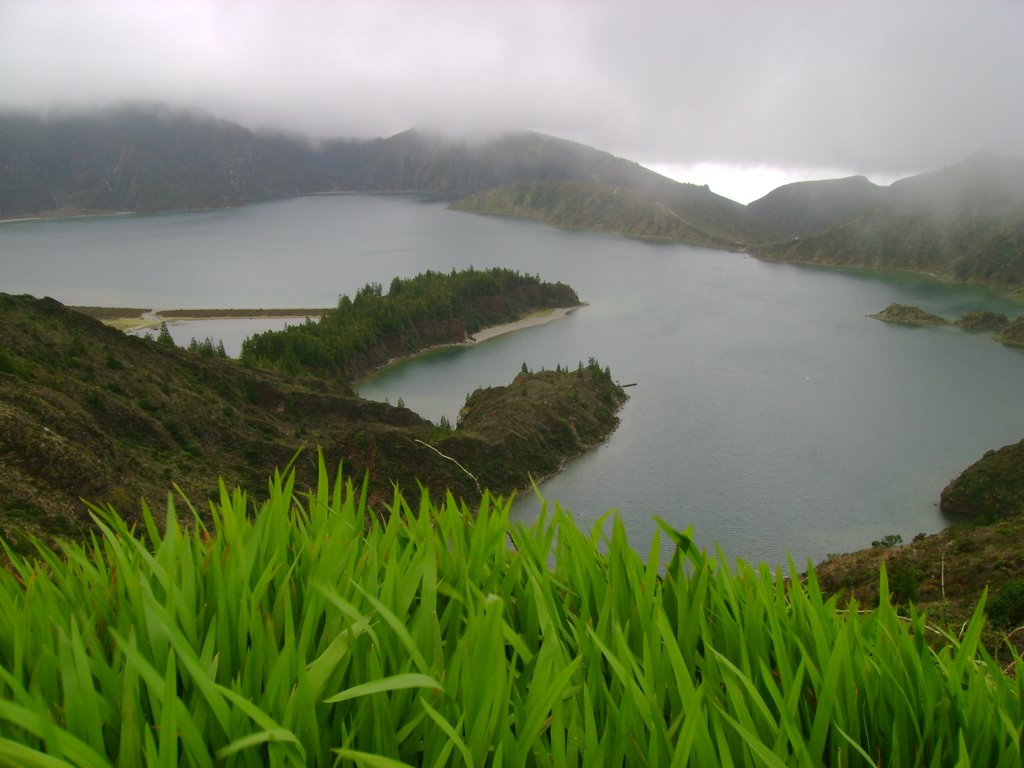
769,412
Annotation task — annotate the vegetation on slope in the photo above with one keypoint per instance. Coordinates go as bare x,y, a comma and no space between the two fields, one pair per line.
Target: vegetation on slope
433,308
311,633
547,416
947,573
1013,335
86,411
685,214
992,488
981,320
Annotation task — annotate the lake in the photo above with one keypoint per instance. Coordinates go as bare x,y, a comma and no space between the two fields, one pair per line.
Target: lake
769,412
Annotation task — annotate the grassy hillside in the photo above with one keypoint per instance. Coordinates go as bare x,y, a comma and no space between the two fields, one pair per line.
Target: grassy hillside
946,574
684,214
86,411
307,632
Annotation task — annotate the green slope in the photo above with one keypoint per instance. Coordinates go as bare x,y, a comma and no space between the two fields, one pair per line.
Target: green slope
807,207
684,213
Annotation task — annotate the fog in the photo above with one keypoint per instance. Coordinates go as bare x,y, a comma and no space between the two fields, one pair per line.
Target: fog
818,88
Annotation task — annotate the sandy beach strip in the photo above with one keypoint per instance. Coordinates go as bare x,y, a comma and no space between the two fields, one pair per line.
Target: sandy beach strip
543,317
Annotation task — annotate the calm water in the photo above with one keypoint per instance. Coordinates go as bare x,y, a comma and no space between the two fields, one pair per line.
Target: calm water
769,412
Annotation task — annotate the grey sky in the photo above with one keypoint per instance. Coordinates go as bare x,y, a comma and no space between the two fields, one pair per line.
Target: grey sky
882,88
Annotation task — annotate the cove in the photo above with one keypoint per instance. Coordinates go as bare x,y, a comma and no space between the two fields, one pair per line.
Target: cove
770,413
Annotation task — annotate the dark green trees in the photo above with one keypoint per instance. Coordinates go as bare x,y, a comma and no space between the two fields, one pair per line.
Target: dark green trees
367,330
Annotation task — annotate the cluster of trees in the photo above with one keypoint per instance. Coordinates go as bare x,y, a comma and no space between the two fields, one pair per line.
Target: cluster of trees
366,331
206,347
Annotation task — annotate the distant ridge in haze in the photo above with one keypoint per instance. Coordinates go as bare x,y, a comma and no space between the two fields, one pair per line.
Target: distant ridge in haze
963,223
151,159
806,207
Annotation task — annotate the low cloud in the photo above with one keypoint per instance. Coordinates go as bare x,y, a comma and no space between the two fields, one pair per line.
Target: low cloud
883,88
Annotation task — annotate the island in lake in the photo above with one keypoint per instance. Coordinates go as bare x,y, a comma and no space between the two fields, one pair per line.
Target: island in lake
976,320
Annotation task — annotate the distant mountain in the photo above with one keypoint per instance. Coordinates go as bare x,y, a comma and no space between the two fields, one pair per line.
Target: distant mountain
155,158
426,162
964,223
683,213
807,207
143,159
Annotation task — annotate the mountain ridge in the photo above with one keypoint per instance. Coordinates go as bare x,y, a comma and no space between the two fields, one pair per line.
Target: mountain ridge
963,223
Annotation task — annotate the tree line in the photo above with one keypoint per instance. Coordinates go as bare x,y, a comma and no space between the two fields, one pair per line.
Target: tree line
365,331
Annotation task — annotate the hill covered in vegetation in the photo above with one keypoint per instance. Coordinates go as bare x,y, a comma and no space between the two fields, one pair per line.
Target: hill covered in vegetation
992,488
140,158
88,412
687,213
806,207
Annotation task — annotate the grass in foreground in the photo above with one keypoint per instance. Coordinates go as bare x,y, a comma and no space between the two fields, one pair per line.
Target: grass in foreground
308,632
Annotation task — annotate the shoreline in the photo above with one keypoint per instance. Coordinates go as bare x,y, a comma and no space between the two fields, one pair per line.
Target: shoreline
152,318
533,320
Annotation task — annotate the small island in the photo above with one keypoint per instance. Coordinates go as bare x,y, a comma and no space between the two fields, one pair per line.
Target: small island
906,314
981,320
1013,336
974,320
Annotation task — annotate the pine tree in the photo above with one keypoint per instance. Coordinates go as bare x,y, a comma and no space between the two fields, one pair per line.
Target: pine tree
164,337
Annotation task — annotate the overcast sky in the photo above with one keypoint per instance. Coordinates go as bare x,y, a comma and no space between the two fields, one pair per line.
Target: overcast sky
762,90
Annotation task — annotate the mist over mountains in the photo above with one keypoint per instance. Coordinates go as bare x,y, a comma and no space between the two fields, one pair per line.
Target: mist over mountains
964,222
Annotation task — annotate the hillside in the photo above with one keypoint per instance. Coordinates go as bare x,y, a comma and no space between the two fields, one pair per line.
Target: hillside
143,159
992,488
807,207
420,161
963,223
88,412
685,213
945,574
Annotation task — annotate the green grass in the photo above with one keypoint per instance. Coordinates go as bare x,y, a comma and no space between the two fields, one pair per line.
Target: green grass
308,632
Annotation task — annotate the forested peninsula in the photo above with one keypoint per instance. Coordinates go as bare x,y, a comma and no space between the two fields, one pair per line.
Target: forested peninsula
366,331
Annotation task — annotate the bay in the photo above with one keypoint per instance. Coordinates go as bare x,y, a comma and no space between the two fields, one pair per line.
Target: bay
770,413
